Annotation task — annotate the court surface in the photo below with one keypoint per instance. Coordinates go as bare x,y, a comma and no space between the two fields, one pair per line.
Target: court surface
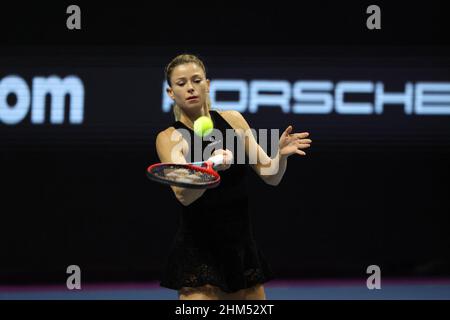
293,289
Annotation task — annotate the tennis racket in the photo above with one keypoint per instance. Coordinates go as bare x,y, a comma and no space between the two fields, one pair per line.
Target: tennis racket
195,175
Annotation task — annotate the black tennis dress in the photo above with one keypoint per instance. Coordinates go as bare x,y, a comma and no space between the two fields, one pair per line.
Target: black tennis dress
214,242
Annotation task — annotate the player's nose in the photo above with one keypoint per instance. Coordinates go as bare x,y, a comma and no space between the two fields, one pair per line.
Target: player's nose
190,87
191,91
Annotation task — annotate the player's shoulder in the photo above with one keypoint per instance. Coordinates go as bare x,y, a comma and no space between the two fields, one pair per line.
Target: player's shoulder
165,133
234,118
168,135
229,113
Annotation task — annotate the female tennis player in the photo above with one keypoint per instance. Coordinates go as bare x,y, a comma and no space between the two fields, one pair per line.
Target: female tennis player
214,255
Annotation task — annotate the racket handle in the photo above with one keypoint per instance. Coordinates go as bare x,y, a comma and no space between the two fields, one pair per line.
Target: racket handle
212,161
216,160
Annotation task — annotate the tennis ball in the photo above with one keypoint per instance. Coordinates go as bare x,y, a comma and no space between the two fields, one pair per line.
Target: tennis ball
203,126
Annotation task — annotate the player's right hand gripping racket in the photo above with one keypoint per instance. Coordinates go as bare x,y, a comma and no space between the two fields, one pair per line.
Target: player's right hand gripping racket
196,175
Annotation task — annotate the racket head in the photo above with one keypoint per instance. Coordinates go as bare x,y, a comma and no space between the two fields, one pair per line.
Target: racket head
184,175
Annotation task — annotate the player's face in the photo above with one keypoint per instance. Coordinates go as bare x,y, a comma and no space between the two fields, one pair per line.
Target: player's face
189,87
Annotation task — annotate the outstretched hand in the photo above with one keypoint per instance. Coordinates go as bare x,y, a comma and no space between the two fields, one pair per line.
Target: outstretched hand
291,143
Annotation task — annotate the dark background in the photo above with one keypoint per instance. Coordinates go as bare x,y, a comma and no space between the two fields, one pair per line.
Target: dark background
373,189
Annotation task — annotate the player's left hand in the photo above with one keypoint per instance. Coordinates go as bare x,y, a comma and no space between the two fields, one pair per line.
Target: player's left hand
291,143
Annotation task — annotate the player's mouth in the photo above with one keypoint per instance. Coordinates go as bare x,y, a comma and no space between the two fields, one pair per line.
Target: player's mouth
192,98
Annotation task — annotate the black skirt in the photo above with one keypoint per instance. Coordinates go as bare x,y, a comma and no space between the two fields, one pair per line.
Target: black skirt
216,247
231,269
225,256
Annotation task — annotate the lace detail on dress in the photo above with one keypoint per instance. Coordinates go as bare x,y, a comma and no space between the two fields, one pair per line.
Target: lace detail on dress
231,269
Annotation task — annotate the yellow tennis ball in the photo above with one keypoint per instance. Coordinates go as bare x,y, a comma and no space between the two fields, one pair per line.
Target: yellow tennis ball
203,126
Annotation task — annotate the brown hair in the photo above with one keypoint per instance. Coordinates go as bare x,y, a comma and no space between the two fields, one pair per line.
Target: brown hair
179,60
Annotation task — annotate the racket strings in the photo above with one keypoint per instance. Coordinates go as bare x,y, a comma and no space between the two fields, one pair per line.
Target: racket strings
183,174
